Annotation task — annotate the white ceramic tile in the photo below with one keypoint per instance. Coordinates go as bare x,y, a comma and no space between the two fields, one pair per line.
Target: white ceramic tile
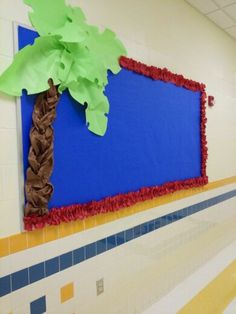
232,31
23,259
53,299
231,10
4,63
230,308
10,183
223,3
10,218
24,309
8,143
1,183
205,6
151,257
185,291
67,307
6,37
14,10
221,19
5,304
23,297
7,112
55,248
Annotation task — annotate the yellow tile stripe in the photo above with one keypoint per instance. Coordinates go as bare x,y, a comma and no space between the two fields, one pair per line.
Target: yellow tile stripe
67,292
24,240
216,296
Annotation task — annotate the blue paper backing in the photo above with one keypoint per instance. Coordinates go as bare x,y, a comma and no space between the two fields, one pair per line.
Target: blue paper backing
153,137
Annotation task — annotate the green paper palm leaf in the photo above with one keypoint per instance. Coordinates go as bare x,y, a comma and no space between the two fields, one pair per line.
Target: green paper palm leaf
36,61
97,104
72,53
48,15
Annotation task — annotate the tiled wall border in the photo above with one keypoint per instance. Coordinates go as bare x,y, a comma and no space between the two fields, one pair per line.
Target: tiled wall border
29,275
25,240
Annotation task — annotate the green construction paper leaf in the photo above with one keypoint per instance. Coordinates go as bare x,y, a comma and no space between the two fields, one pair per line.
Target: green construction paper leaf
32,67
64,67
55,18
75,29
86,66
107,49
97,121
76,15
88,93
94,53
47,15
70,32
74,54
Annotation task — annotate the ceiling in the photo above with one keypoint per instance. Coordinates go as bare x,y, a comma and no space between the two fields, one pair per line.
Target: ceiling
221,12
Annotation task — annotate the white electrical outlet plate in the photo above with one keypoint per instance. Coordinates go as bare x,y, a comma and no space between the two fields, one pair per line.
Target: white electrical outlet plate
100,286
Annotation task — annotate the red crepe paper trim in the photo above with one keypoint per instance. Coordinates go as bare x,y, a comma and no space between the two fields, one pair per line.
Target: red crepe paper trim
114,203
109,204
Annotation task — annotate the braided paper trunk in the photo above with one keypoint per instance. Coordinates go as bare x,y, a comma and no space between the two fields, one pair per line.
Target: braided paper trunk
38,188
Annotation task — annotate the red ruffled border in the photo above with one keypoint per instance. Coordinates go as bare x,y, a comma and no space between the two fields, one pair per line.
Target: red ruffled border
114,203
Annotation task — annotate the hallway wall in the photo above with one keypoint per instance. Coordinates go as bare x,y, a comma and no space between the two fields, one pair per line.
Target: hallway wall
44,270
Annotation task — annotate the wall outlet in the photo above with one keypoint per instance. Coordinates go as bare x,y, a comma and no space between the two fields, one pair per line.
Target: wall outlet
100,286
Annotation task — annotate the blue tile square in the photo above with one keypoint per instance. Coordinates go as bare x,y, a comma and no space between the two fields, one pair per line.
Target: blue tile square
20,279
190,210
101,246
144,228
90,250
65,260
151,225
179,215
157,223
137,231
203,205
111,242
5,285
215,201
79,255
129,234
38,306
174,217
194,209
169,219
185,212
163,221
200,207
52,266
120,238
36,272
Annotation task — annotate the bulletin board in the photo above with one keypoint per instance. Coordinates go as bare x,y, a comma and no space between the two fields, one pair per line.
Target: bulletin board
155,142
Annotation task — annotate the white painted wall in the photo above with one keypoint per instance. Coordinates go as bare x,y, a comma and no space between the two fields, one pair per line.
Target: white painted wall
165,33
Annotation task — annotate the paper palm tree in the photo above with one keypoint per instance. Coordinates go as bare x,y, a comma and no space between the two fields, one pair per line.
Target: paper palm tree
69,54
